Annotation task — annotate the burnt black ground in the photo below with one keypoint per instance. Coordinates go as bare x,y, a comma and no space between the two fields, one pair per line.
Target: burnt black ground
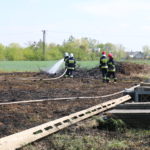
18,117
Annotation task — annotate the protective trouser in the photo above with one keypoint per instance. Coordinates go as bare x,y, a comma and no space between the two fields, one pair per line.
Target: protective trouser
104,74
111,74
71,67
69,73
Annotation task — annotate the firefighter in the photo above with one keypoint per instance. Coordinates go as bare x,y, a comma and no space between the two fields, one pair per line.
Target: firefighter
103,65
66,56
111,68
71,64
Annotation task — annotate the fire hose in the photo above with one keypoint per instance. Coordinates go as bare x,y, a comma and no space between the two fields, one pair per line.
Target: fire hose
67,98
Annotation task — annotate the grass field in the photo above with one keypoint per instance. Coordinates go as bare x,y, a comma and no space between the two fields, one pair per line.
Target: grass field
35,66
138,61
9,66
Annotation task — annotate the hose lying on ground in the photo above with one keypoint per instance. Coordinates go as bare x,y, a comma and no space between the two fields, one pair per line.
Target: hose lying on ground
31,78
65,98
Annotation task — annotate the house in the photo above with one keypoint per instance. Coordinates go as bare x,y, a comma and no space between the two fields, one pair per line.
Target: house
135,55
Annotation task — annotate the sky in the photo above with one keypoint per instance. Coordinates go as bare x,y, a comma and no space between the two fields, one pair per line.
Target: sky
125,22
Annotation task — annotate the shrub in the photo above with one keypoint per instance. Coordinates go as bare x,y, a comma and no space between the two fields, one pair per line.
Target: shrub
111,124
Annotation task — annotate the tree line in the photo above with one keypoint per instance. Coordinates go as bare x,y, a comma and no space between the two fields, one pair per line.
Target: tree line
83,49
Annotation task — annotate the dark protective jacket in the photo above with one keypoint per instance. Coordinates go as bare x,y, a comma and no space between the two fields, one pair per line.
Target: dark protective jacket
111,65
65,60
71,62
103,62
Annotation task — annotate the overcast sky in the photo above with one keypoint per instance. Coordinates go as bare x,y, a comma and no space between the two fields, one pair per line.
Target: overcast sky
125,22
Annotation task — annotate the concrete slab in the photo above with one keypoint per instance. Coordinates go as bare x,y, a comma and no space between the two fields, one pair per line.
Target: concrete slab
130,111
135,114
135,105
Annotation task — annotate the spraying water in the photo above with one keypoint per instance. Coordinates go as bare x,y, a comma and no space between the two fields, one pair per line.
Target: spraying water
56,67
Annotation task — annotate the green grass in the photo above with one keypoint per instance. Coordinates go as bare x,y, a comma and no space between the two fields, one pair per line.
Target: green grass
33,66
135,139
116,144
88,64
138,61
19,66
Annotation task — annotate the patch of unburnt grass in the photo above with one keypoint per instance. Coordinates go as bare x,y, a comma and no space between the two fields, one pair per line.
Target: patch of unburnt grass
86,135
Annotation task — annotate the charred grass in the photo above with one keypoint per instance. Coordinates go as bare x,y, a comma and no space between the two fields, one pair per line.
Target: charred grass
82,136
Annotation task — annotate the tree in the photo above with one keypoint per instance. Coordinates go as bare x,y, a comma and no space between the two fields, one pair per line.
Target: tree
13,52
83,49
2,50
146,51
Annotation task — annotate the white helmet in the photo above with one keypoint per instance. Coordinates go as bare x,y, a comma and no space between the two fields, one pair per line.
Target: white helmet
71,55
66,54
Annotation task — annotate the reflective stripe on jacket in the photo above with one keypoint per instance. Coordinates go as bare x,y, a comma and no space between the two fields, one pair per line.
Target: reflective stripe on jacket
111,65
103,62
71,63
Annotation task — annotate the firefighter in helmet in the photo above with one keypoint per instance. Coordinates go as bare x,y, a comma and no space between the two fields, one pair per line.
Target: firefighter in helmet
103,65
111,68
71,64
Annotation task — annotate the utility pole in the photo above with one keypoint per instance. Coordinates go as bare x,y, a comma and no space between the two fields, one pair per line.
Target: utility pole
44,35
